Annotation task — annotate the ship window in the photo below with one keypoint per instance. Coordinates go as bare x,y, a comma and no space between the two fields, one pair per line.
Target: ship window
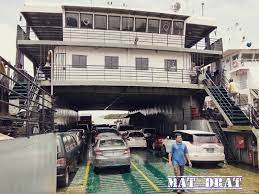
257,56
111,62
141,63
72,20
79,61
127,23
178,28
86,20
100,22
153,26
247,56
170,65
114,23
165,27
141,24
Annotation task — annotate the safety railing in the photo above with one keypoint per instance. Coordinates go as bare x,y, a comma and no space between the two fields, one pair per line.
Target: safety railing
120,73
251,113
121,37
27,115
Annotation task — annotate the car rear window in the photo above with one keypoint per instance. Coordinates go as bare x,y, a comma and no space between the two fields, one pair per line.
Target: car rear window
125,128
136,134
149,130
112,143
106,131
203,138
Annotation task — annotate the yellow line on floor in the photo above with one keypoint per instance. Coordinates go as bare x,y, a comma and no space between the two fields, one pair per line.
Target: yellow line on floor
187,169
145,177
87,173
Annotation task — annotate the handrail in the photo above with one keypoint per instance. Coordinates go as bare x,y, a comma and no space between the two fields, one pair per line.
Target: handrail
250,109
61,33
152,74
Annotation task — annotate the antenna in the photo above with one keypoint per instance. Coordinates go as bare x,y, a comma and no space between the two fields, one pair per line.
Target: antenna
202,8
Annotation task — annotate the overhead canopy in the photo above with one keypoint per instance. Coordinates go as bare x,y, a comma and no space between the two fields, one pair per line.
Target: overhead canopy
46,25
197,28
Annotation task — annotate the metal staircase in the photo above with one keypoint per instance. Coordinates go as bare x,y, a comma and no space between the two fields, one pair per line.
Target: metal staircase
231,113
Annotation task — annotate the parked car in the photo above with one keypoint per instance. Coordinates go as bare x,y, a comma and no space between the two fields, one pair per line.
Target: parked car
111,151
136,139
202,146
80,136
148,132
124,129
67,155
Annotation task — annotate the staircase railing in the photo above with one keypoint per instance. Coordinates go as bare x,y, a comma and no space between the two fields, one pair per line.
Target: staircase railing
251,113
33,92
223,138
210,83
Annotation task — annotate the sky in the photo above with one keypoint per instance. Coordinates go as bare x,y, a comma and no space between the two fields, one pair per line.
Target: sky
235,19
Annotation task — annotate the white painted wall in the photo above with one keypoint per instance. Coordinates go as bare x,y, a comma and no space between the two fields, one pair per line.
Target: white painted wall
122,37
96,62
28,165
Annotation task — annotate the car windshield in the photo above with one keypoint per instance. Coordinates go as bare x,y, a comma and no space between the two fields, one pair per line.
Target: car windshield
106,130
112,143
136,134
126,128
204,138
149,130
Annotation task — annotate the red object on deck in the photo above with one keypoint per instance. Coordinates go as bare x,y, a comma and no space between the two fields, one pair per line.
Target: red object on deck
240,142
195,112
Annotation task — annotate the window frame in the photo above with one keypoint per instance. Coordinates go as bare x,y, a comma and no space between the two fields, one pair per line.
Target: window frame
167,67
118,16
79,65
140,66
111,65
158,27
86,13
78,19
135,22
173,28
170,28
100,14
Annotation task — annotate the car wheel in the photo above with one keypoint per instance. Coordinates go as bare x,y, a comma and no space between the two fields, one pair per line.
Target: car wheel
64,182
96,170
163,150
127,168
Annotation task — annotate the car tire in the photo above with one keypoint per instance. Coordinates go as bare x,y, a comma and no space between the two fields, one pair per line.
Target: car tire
65,181
127,168
96,170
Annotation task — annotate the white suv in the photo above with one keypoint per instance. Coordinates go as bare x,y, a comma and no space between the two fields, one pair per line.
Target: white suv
202,146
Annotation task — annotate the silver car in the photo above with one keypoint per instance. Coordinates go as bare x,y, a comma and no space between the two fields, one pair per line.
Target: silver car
111,151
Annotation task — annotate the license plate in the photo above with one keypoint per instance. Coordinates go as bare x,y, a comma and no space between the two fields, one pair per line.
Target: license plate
210,150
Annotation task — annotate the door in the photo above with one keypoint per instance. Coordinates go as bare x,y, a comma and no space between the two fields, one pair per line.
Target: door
60,67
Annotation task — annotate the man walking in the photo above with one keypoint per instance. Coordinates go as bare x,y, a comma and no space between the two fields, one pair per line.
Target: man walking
178,156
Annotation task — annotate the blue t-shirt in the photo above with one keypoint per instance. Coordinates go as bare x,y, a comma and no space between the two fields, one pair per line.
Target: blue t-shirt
178,152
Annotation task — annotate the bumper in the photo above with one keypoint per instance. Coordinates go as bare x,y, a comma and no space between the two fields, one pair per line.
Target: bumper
101,163
137,145
215,157
61,172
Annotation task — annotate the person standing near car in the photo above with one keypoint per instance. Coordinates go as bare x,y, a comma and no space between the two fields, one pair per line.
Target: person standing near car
178,156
